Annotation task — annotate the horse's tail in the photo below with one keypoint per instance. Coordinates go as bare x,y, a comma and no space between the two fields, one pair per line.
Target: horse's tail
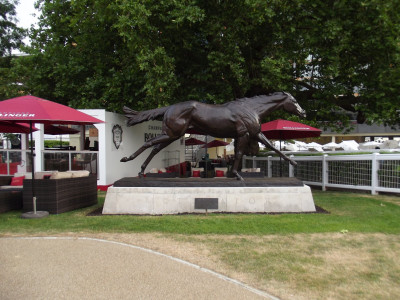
135,117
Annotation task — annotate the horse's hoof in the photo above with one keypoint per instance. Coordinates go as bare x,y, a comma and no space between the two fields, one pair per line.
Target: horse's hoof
124,159
141,175
238,177
293,163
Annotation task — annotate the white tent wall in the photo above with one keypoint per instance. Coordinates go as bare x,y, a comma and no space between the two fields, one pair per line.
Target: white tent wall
110,167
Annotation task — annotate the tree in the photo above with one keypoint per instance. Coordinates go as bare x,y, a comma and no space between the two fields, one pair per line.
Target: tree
10,34
336,57
10,38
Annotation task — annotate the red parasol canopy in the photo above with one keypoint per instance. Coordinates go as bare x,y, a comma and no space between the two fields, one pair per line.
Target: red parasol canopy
11,127
193,142
31,108
215,143
59,130
193,131
285,130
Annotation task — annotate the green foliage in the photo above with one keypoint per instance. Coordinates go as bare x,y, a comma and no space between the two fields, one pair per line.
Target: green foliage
10,34
10,38
5,78
54,143
335,57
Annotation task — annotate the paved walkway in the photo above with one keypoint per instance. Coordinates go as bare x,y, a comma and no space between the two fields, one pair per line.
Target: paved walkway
85,268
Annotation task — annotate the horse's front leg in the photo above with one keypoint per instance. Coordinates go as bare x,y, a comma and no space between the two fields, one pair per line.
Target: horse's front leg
261,138
136,154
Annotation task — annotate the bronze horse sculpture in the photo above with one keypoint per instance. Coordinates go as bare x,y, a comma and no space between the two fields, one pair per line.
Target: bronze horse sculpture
239,119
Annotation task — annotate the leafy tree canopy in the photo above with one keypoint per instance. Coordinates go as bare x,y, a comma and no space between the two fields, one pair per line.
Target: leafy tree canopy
334,56
10,34
10,38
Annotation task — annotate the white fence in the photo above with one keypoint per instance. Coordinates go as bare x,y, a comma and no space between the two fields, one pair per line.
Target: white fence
373,172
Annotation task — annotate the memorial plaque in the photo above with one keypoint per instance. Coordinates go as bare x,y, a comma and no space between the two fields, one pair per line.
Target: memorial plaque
206,203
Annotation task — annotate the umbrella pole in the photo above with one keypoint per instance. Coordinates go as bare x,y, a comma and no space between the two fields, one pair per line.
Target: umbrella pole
205,159
280,158
33,169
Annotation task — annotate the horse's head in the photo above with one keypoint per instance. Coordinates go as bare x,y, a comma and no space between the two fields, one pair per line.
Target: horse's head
291,106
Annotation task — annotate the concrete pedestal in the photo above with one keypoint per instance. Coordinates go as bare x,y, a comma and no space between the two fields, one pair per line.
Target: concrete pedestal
157,197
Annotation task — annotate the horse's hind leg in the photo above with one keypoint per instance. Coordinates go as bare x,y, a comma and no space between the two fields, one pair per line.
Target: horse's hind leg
156,149
154,141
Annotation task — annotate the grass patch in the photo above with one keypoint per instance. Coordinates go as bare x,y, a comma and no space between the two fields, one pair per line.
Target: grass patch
316,266
349,212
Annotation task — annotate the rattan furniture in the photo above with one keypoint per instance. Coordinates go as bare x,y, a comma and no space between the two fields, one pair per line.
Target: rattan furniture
10,198
60,195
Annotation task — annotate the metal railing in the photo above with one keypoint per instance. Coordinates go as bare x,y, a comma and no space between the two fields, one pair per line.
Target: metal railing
12,161
373,172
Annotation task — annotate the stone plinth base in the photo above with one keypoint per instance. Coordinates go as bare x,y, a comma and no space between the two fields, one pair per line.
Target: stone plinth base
174,196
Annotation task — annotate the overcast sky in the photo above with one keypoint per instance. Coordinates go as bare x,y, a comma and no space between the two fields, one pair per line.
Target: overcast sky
25,15
25,11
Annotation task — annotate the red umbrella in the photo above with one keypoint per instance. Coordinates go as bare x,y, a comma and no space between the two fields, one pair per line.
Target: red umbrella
193,142
11,127
59,130
285,130
192,131
212,144
215,143
31,109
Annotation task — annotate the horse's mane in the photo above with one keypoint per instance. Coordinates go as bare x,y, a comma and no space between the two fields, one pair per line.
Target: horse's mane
257,97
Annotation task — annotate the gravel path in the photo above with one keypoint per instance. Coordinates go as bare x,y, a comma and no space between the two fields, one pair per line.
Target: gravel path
87,268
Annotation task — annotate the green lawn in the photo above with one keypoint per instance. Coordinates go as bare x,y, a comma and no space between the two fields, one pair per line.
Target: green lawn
349,212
